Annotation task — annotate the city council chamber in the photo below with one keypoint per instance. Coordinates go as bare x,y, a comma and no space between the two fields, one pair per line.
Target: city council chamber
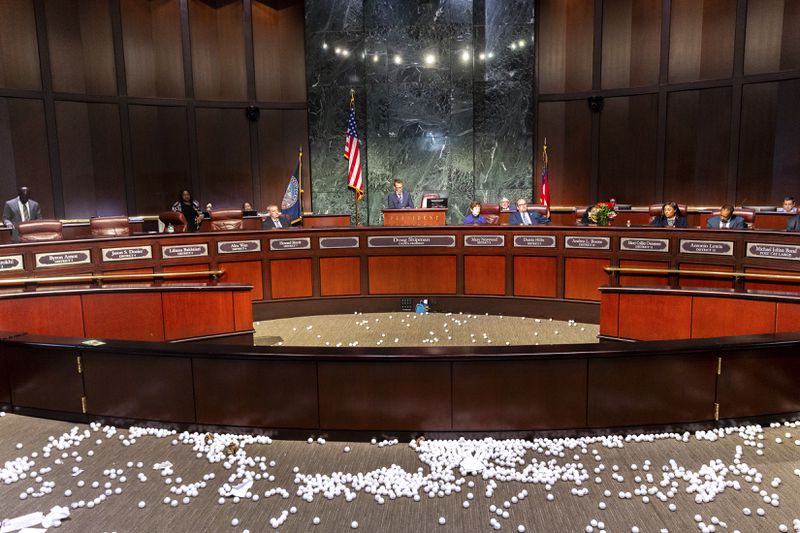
357,220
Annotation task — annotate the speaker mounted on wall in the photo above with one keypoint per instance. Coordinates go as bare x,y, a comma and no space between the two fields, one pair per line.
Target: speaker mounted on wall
252,112
595,103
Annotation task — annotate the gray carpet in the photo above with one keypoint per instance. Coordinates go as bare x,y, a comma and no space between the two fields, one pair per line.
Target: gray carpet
410,329
566,512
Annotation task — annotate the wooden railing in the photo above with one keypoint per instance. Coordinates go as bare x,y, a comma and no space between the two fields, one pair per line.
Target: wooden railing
99,278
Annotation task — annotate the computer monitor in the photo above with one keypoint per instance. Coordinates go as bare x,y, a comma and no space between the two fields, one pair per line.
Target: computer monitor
434,202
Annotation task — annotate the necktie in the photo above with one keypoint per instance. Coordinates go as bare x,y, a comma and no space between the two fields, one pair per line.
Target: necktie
26,215
278,223
526,219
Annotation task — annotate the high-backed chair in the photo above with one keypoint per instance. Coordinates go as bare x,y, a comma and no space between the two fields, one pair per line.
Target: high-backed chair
110,226
748,214
40,230
226,219
491,212
655,210
425,197
539,208
579,214
175,218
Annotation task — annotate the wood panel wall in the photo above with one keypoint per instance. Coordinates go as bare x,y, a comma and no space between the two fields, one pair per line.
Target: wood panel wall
113,106
699,100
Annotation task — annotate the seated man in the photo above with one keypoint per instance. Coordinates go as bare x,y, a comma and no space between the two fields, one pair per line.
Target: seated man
789,206
399,199
20,209
524,217
793,224
275,220
726,219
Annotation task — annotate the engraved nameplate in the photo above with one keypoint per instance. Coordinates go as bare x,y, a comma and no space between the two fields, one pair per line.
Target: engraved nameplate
484,240
773,251
689,246
10,263
404,241
595,243
339,242
300,243
238,247
127,253
644,245
177,251
52,259
534,241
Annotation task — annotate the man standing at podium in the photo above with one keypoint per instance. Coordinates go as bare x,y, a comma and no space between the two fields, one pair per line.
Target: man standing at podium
399,199
20,209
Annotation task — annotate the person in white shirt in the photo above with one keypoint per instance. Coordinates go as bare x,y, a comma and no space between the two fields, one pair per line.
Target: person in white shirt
789,206
20,209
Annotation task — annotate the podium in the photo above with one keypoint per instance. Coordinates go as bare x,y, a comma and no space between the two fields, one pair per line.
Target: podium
434,216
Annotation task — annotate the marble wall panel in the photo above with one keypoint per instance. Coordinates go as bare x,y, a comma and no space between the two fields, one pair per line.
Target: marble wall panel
443,97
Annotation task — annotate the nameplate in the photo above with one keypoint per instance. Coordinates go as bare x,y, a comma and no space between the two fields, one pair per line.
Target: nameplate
127,253
595,243
177,251
484,240
10,263
534,241
689,246
238,247
405,241
339,242
644,245
73,257
773,251
301,243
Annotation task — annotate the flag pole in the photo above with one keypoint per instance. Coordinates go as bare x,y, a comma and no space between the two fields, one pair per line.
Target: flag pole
355,192
546,171
300,177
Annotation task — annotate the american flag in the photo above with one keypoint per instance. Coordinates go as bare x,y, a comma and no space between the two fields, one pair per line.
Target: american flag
352,153
544,193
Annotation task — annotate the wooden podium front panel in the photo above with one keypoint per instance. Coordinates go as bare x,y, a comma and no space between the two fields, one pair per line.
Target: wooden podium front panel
42,378
212,314
715,283
412,274
414,217
290,278
649,317
582,277
312,221
635,391
339,276
770,285
139,386
484,274
787,318
609,314
58,316
242,311
721,317
385,395
254,393
643,279
519,395
244,272
754,384
535,276
124,316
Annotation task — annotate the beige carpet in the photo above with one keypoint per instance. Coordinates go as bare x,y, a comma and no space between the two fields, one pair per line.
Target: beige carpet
410,329
100,453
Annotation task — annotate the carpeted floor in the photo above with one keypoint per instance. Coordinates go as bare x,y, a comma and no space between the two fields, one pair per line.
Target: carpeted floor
691,464
410,329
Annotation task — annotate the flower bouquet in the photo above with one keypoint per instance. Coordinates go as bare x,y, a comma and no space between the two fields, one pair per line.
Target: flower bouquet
602,213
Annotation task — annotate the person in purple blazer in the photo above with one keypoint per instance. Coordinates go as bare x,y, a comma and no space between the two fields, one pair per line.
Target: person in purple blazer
399,199
474,216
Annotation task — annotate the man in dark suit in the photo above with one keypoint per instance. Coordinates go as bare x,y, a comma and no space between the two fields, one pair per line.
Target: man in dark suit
726,219
525,217
399,199
275,220
793,224
20,209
